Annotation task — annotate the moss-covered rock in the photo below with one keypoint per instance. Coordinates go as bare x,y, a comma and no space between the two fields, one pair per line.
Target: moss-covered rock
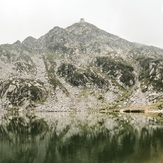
151,73
78,77
20,92
115,69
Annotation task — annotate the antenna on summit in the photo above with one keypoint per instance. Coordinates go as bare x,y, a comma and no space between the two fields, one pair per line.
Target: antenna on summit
82,20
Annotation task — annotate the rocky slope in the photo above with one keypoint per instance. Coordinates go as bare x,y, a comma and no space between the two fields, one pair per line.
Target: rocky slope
79,68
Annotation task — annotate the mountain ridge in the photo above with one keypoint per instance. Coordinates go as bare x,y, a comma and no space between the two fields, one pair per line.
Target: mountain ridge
82,65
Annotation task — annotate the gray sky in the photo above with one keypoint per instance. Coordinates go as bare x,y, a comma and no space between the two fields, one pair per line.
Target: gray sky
135,20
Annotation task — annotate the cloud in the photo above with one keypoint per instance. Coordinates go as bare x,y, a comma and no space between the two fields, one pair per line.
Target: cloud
138,21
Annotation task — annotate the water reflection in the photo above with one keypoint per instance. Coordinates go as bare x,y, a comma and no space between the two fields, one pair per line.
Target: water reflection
80,137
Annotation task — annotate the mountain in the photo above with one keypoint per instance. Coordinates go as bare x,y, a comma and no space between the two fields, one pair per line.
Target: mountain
80,67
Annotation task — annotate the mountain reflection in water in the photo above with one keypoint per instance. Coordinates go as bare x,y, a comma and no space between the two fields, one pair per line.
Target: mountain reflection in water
80,137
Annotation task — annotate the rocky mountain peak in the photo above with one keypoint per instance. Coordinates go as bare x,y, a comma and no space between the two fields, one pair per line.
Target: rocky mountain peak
82,26
55,31
28,40
81,65
17,42
31,43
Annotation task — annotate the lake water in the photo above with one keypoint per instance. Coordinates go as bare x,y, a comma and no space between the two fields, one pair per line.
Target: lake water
80,138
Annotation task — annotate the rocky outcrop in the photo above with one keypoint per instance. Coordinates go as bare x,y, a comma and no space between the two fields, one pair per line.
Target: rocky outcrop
22,93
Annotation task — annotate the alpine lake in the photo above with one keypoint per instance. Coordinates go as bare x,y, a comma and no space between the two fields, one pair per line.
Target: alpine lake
80,137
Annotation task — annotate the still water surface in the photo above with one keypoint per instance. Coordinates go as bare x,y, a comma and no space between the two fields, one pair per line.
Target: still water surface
80,138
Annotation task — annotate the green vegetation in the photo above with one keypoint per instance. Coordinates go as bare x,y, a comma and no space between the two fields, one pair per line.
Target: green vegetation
71,74
78,77
112,68
151,73
61,48
50,69
50,64
19,91
160,107
24,67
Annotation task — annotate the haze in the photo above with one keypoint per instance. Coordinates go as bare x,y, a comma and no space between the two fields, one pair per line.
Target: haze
135,20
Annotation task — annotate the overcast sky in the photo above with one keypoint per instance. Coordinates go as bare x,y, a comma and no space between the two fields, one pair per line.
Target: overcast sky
135,20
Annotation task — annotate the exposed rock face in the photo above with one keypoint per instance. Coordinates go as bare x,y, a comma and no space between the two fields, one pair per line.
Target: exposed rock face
80,67
23,93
